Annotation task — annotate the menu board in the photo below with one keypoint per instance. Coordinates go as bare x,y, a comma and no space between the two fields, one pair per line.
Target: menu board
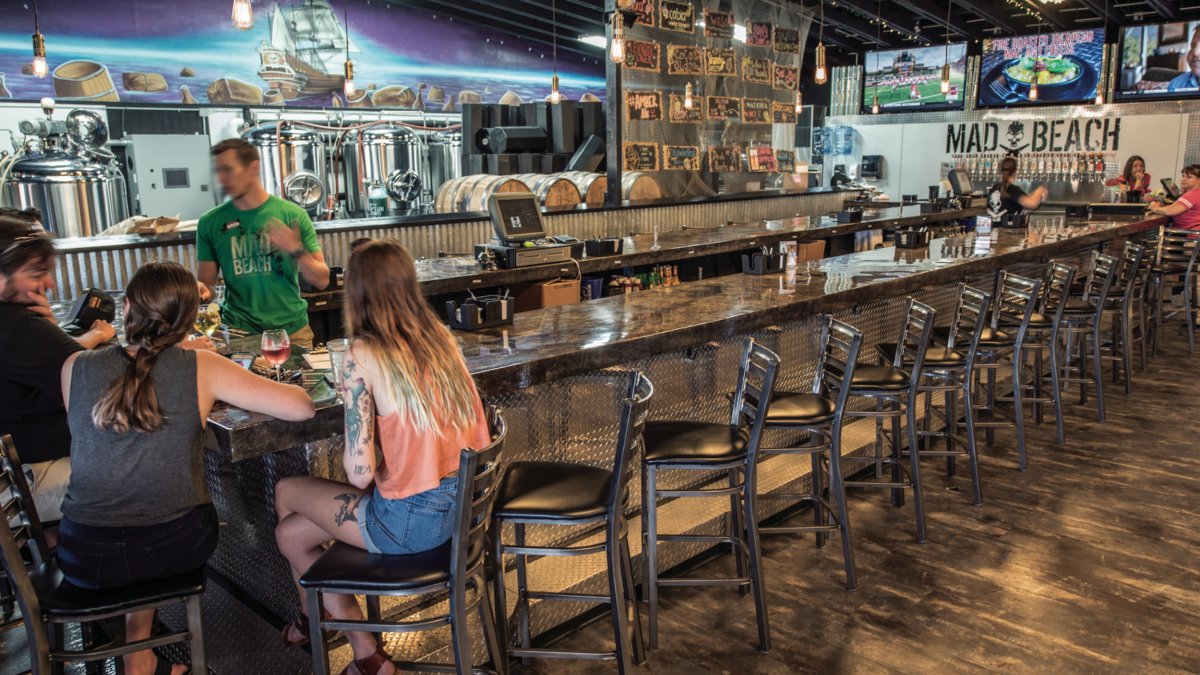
685,60
681,158
644,11
678,114
677,16
720,61
787,40
786,77
783,113
756,69
724,158
641,55
643,106
756,111
761,158
718,25
758,34
786,161
723,108
640,157
1067,67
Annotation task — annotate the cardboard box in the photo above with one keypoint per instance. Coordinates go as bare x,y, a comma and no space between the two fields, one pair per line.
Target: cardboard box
546,294
811,250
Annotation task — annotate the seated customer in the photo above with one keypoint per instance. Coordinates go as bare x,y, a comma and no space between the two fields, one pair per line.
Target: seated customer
1185,211
406,388
138,506
32,351
1133,179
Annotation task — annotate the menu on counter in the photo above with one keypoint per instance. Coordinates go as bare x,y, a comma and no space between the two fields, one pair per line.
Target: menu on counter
678,114
722,108
787,40
761,158
644,9
720,61
756,111
681,158
756,69
786,77
643,106
640,157
685,60
758,34
641,55
786,160
783,113
718,25
677,16
724,158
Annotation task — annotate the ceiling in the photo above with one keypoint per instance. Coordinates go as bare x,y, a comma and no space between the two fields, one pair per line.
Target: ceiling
850,25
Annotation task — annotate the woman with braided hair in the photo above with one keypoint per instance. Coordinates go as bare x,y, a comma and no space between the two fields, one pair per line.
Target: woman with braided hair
138,507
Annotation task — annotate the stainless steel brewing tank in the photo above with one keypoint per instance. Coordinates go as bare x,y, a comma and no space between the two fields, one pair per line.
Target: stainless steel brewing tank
445,159
292,164
77,197
389,152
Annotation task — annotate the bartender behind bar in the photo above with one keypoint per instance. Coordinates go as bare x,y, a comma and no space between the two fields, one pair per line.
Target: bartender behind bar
261,245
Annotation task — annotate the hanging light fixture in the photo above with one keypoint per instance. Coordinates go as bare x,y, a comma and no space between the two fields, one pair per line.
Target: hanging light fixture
875,87
40,69
348,86
799,103
821,75
1104,67
945,87
555,95
616,50
243,15
1037,58
688,101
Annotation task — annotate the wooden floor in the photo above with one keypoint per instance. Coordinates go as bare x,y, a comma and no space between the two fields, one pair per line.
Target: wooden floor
1087,562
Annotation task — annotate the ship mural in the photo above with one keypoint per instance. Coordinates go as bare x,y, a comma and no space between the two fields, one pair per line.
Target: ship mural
110,51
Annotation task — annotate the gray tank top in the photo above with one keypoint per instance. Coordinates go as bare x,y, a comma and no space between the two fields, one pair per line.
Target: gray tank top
132,479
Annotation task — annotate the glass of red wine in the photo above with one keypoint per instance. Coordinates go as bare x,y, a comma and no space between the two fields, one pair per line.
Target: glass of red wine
276,348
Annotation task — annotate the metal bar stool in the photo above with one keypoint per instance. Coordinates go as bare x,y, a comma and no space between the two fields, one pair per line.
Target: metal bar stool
1126,310
729,449
1081,331
1043,337
576,495
819,414
451,568
949,370
1176,263
48,602
894,392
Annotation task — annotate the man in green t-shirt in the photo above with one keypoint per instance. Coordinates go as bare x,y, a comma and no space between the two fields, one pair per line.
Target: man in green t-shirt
261,245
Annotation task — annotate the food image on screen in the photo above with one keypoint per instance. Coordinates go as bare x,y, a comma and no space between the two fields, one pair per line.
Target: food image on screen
1066,67
1160,61
911,79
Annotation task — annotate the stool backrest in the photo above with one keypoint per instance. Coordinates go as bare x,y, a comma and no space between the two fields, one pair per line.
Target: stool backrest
1178,248
1131,262
635,409
1100,278
840,344
1056,290
478,476
22,536
914,337
755,386
1016,299
970,316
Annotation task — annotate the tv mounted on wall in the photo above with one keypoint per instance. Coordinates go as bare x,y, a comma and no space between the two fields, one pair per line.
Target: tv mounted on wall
1159,61
1067,67
910,79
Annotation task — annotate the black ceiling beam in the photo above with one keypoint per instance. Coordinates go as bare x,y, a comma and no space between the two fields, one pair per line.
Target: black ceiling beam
585,22
1052,16
988,12
891,19
1116,17
519,29
1165,8
929,11
863,29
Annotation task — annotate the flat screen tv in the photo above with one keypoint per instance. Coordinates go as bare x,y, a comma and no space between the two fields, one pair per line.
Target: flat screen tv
1067,67
1159,61
911,79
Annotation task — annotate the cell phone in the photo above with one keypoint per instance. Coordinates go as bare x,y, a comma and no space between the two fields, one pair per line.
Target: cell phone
243,359
1171,188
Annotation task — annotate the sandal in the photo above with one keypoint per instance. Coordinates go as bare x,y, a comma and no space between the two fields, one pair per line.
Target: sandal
368,666
164,667
300,625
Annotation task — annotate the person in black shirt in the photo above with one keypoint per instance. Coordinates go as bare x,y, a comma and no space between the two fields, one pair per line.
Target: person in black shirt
1007,201
32,351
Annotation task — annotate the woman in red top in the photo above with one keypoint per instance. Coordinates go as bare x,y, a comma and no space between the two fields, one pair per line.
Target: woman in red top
1134,178
1185,211
407,391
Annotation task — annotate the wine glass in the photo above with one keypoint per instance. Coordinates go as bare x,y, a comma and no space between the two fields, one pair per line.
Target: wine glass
276,348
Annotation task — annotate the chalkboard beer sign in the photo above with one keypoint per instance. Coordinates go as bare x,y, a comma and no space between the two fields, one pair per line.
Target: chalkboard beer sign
685,60
644,11
642,55
787,40
756,69
786,77
756,111
783,113
678,114
758,34
724,158
719,61
718,25
643,106
677,16
640,156
721,108
681,158
761,158
786,160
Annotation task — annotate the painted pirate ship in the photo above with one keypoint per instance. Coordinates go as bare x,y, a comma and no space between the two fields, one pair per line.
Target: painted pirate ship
306,52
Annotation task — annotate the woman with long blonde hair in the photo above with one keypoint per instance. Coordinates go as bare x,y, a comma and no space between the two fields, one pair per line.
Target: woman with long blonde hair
407,391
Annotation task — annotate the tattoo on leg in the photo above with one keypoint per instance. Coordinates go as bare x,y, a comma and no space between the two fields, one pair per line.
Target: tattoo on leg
348,508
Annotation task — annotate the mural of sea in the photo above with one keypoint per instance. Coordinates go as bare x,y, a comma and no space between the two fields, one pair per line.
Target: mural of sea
144,51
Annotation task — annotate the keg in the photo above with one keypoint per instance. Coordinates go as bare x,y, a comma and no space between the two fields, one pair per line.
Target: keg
391,156
78,197
292,164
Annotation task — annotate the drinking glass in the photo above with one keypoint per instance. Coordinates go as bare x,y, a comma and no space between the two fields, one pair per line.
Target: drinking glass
337,355
208,319
276,348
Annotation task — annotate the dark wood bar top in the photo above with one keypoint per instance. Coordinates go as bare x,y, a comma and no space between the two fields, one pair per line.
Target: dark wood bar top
558,342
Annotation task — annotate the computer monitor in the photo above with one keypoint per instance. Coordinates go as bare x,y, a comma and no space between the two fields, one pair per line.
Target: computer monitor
960,182
516,217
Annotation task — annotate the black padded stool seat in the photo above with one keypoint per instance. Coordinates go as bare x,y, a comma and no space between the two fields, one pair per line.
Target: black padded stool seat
990,337
553,490
934,356
60,597
799,408
350,568
878,377
1169,269
1079,306
694,442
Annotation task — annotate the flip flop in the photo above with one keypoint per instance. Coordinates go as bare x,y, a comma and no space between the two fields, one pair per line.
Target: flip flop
300,624
367,666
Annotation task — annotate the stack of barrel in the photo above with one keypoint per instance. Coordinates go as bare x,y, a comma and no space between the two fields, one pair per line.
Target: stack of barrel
555,190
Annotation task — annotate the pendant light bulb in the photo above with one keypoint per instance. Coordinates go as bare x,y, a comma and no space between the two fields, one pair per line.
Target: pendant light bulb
799,104
616,50
555,95
822,76
1033,91
688,101
348,88
875,104
946,79
40,69
243,15
1099,98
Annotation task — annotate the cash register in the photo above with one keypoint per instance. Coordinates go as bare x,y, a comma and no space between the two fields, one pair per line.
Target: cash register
521,238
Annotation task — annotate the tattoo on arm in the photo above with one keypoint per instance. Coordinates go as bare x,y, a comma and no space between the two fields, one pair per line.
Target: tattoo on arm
347,510
360,418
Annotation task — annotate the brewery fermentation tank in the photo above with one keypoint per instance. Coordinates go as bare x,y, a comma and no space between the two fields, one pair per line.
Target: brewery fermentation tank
391,156
78,197
292,164
445,158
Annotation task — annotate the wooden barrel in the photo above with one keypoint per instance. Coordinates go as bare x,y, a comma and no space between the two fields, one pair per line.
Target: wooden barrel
551,189
637,186
471,193
592,186
84,81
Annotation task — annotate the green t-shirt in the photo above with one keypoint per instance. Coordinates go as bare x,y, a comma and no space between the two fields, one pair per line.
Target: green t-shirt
262,285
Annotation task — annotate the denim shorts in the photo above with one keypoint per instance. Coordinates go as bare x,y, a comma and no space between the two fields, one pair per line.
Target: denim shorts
414,524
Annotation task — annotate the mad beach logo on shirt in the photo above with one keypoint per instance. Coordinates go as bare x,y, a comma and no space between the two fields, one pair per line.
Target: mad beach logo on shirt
251,254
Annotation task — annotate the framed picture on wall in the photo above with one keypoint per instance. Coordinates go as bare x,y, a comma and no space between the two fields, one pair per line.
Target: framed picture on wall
677,16
720,62
681,158
640,156
640,55
643,106
685,60
723,108
718,25
677,114
758,34
644,10
756,69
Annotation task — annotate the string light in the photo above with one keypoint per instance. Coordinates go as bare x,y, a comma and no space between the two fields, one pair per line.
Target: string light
616,50
40,69
243,15
688,101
